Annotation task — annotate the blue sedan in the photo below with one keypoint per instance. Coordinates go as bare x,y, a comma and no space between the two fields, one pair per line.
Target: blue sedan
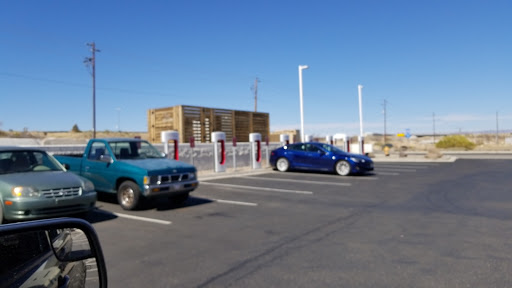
319,156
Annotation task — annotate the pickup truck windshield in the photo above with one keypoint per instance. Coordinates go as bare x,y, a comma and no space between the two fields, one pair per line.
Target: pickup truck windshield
26,161
134,150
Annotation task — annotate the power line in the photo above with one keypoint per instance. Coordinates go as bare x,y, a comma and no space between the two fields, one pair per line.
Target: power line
121,90
27,77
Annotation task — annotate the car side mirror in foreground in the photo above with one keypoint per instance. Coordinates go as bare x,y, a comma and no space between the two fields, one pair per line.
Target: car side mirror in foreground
61,252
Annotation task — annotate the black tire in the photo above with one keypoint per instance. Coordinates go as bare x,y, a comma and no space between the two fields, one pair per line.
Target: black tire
282,164
128,195
342,167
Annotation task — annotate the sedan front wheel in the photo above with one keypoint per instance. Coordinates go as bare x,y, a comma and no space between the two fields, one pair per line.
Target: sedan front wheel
342,168
282,164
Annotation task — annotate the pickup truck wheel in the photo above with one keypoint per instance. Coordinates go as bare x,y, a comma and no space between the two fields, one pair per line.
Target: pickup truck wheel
128,195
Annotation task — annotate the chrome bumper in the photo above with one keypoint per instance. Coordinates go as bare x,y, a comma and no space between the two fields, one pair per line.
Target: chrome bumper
170,188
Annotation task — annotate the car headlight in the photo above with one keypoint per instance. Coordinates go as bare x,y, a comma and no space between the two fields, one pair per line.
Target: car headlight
357,160
149,180
21,191
88,186
191,176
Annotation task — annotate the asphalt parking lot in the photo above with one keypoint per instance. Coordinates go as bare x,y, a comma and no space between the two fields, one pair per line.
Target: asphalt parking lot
405,225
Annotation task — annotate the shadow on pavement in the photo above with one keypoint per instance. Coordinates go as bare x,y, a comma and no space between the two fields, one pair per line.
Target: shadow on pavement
165,204
99,215
333,174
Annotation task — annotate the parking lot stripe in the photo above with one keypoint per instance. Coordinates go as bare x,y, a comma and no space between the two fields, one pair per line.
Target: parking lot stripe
136,217
297,181
401,166
235,202
258,188
388,173
398,169
366,177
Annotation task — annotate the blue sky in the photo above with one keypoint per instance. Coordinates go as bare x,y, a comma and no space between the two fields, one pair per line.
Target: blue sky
452,58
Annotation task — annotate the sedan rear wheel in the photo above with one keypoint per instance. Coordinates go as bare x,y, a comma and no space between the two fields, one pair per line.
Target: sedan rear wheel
282,164
342,168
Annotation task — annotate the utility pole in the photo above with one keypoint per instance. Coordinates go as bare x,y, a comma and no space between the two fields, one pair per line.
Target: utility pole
385,103
255,88
118,119
92,61
497,128
434,126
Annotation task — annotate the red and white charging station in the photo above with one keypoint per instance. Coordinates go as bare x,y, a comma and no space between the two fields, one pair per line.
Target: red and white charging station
284,139
255,139
344,139
173,136
219,151
361,144
329,139
309,138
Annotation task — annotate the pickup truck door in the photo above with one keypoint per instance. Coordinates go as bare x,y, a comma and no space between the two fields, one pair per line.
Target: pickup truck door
98,171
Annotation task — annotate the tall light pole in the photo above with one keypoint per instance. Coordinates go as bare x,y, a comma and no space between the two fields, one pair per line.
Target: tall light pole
118,119
497,127
361,137
434,126
301,67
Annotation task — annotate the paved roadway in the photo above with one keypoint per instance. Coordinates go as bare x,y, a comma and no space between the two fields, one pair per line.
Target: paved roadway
407,225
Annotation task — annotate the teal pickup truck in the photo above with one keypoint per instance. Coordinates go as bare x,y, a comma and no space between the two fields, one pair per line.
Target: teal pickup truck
134,169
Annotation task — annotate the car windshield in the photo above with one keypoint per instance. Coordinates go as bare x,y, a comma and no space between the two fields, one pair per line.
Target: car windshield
134,150
331,148
27,161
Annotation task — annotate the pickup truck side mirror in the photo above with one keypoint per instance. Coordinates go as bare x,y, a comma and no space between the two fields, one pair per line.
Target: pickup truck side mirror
59,248
106,159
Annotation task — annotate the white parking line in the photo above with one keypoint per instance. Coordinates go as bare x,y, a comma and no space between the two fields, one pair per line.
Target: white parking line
235,202
136,217
398,169
258,188
401,166
297,181
329,176
388,173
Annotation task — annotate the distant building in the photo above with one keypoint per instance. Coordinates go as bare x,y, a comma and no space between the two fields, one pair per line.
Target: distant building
200,122
294,135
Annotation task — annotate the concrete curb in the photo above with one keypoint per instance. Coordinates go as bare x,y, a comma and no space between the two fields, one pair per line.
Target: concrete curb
210,175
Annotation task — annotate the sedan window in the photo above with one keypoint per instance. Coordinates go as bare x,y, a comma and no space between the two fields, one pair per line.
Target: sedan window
312,148
296,147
